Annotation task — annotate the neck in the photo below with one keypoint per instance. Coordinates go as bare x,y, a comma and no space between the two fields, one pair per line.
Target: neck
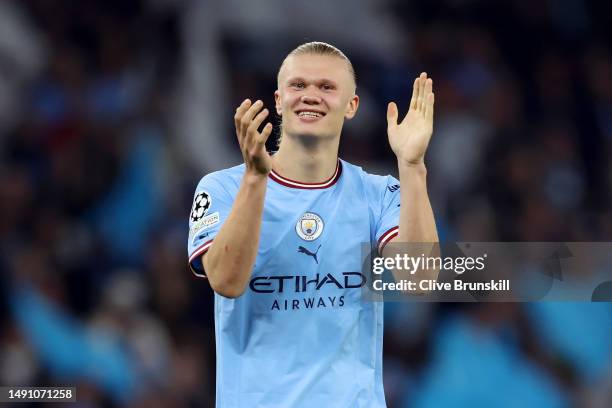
306,159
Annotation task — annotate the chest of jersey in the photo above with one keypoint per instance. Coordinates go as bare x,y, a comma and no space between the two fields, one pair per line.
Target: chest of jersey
310,247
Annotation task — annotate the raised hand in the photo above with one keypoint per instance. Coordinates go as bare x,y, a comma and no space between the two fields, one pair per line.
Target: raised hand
410,137
248,119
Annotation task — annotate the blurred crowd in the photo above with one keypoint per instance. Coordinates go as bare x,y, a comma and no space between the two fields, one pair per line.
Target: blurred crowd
110,113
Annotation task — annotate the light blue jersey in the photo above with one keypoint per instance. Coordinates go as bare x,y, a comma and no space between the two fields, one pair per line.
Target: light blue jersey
300,335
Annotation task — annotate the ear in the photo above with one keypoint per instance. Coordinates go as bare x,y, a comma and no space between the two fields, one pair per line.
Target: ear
351,107
277,100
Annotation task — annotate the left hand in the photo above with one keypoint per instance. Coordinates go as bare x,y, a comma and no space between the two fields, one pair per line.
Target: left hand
409,138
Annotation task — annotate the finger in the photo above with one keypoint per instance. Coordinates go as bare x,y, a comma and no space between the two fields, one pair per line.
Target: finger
417,101
426,91
391,114
415,94
422,80
240,110
265,133
255,123
250,114
429,109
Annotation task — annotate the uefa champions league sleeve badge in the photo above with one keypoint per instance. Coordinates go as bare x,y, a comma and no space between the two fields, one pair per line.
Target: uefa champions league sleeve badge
309,226
201,204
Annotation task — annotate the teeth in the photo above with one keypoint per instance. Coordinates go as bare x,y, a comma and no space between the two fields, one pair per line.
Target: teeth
310,114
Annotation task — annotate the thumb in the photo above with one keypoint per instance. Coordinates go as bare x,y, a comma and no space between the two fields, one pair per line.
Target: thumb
391,114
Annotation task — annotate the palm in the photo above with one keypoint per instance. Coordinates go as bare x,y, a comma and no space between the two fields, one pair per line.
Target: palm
410,137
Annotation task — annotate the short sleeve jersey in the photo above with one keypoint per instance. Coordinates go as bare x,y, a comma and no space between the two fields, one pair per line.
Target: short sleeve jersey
300,335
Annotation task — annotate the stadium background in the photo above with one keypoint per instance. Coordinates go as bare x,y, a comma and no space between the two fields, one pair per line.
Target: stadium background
111,111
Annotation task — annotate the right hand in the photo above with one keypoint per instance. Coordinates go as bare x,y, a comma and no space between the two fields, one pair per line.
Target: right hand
248,118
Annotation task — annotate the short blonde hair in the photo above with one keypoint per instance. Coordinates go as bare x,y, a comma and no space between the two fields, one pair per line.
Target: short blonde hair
319,48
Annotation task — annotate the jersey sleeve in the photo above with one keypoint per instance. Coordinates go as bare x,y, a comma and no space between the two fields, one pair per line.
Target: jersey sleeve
387,225
210,208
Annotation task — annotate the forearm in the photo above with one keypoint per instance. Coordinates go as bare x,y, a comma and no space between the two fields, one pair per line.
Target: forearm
417,233
417,222
230,259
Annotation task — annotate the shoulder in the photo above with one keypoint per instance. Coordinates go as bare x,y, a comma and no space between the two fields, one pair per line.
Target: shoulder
368,180
227,179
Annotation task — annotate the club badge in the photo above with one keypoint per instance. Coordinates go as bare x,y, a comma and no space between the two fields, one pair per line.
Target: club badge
309,226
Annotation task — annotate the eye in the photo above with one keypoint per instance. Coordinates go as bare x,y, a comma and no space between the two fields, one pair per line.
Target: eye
327,87
298,85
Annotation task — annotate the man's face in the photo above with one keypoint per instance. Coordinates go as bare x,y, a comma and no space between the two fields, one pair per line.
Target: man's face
315,94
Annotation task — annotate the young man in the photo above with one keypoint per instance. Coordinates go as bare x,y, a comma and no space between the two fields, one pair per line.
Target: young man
279,239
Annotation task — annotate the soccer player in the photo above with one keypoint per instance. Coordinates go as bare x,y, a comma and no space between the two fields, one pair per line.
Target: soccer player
279,238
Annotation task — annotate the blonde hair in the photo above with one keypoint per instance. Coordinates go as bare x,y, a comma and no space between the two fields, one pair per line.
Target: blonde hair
319,48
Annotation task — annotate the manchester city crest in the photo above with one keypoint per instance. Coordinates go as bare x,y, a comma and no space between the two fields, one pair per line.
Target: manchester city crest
309,226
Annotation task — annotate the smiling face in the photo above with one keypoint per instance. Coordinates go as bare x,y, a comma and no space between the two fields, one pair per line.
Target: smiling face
316,93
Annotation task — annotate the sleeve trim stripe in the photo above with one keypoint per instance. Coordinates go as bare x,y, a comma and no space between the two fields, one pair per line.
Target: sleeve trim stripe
386,237
198,252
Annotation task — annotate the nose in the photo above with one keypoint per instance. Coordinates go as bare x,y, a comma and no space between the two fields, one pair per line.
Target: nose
310,99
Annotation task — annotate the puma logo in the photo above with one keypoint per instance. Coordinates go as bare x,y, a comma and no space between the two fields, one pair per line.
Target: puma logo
303,250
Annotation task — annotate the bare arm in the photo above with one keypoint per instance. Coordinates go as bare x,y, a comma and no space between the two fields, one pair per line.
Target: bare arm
409,140
230,259
417,222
